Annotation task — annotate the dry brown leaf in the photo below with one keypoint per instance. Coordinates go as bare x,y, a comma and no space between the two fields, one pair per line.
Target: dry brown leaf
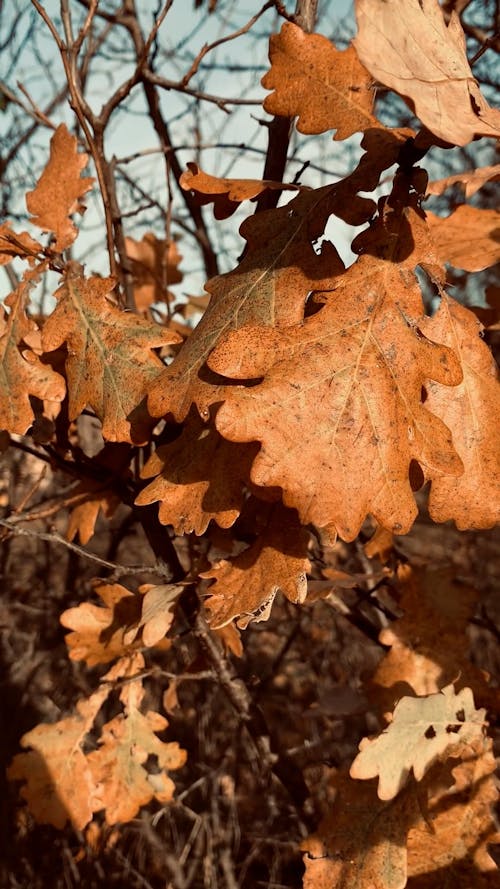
459,825
154,268
157,613
362,843
470,180
199,477
339,412
270,287
59,190
63,783
469,238
118,767
59,785
227,194
324,87
98,634
406,45
473,500
13,244
380,545
23,373
110,361
97,496
245,587
422,731
428,644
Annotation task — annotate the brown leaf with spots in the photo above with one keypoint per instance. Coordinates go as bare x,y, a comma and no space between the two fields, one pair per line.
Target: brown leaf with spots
324,87
226,194
422,731
110,361
154,268
269,287
469,238
406,45
197,477
473,499
22,372
245,587
339,412
59,190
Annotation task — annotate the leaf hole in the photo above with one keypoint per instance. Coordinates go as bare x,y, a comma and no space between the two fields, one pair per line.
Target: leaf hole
430,733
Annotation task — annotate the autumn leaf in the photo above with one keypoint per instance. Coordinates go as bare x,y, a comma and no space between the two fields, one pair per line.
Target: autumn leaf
428,644
154,268
60,188
59,785
226,194
157,613
246,586
469,180
198,477
324,87
13,244
339,412
99,634
406,45
469,238
22,372
473,500
94,496
422,731
463,824
361,842
64,783
270,287
118,766
110,361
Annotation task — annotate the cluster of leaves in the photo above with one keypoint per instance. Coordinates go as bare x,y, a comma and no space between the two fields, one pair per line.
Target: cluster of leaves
309,400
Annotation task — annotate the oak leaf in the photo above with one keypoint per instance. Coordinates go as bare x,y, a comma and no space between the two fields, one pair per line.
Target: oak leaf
198,477
157,613
118,767
23,373
269,287
427,644
60,188
13,244
469,238
59,784
94,496
362,842
470,180
226,194
110,361
473,500
422,731
339,412
463,824
154,268
406,45
245,587
99,634
324,87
